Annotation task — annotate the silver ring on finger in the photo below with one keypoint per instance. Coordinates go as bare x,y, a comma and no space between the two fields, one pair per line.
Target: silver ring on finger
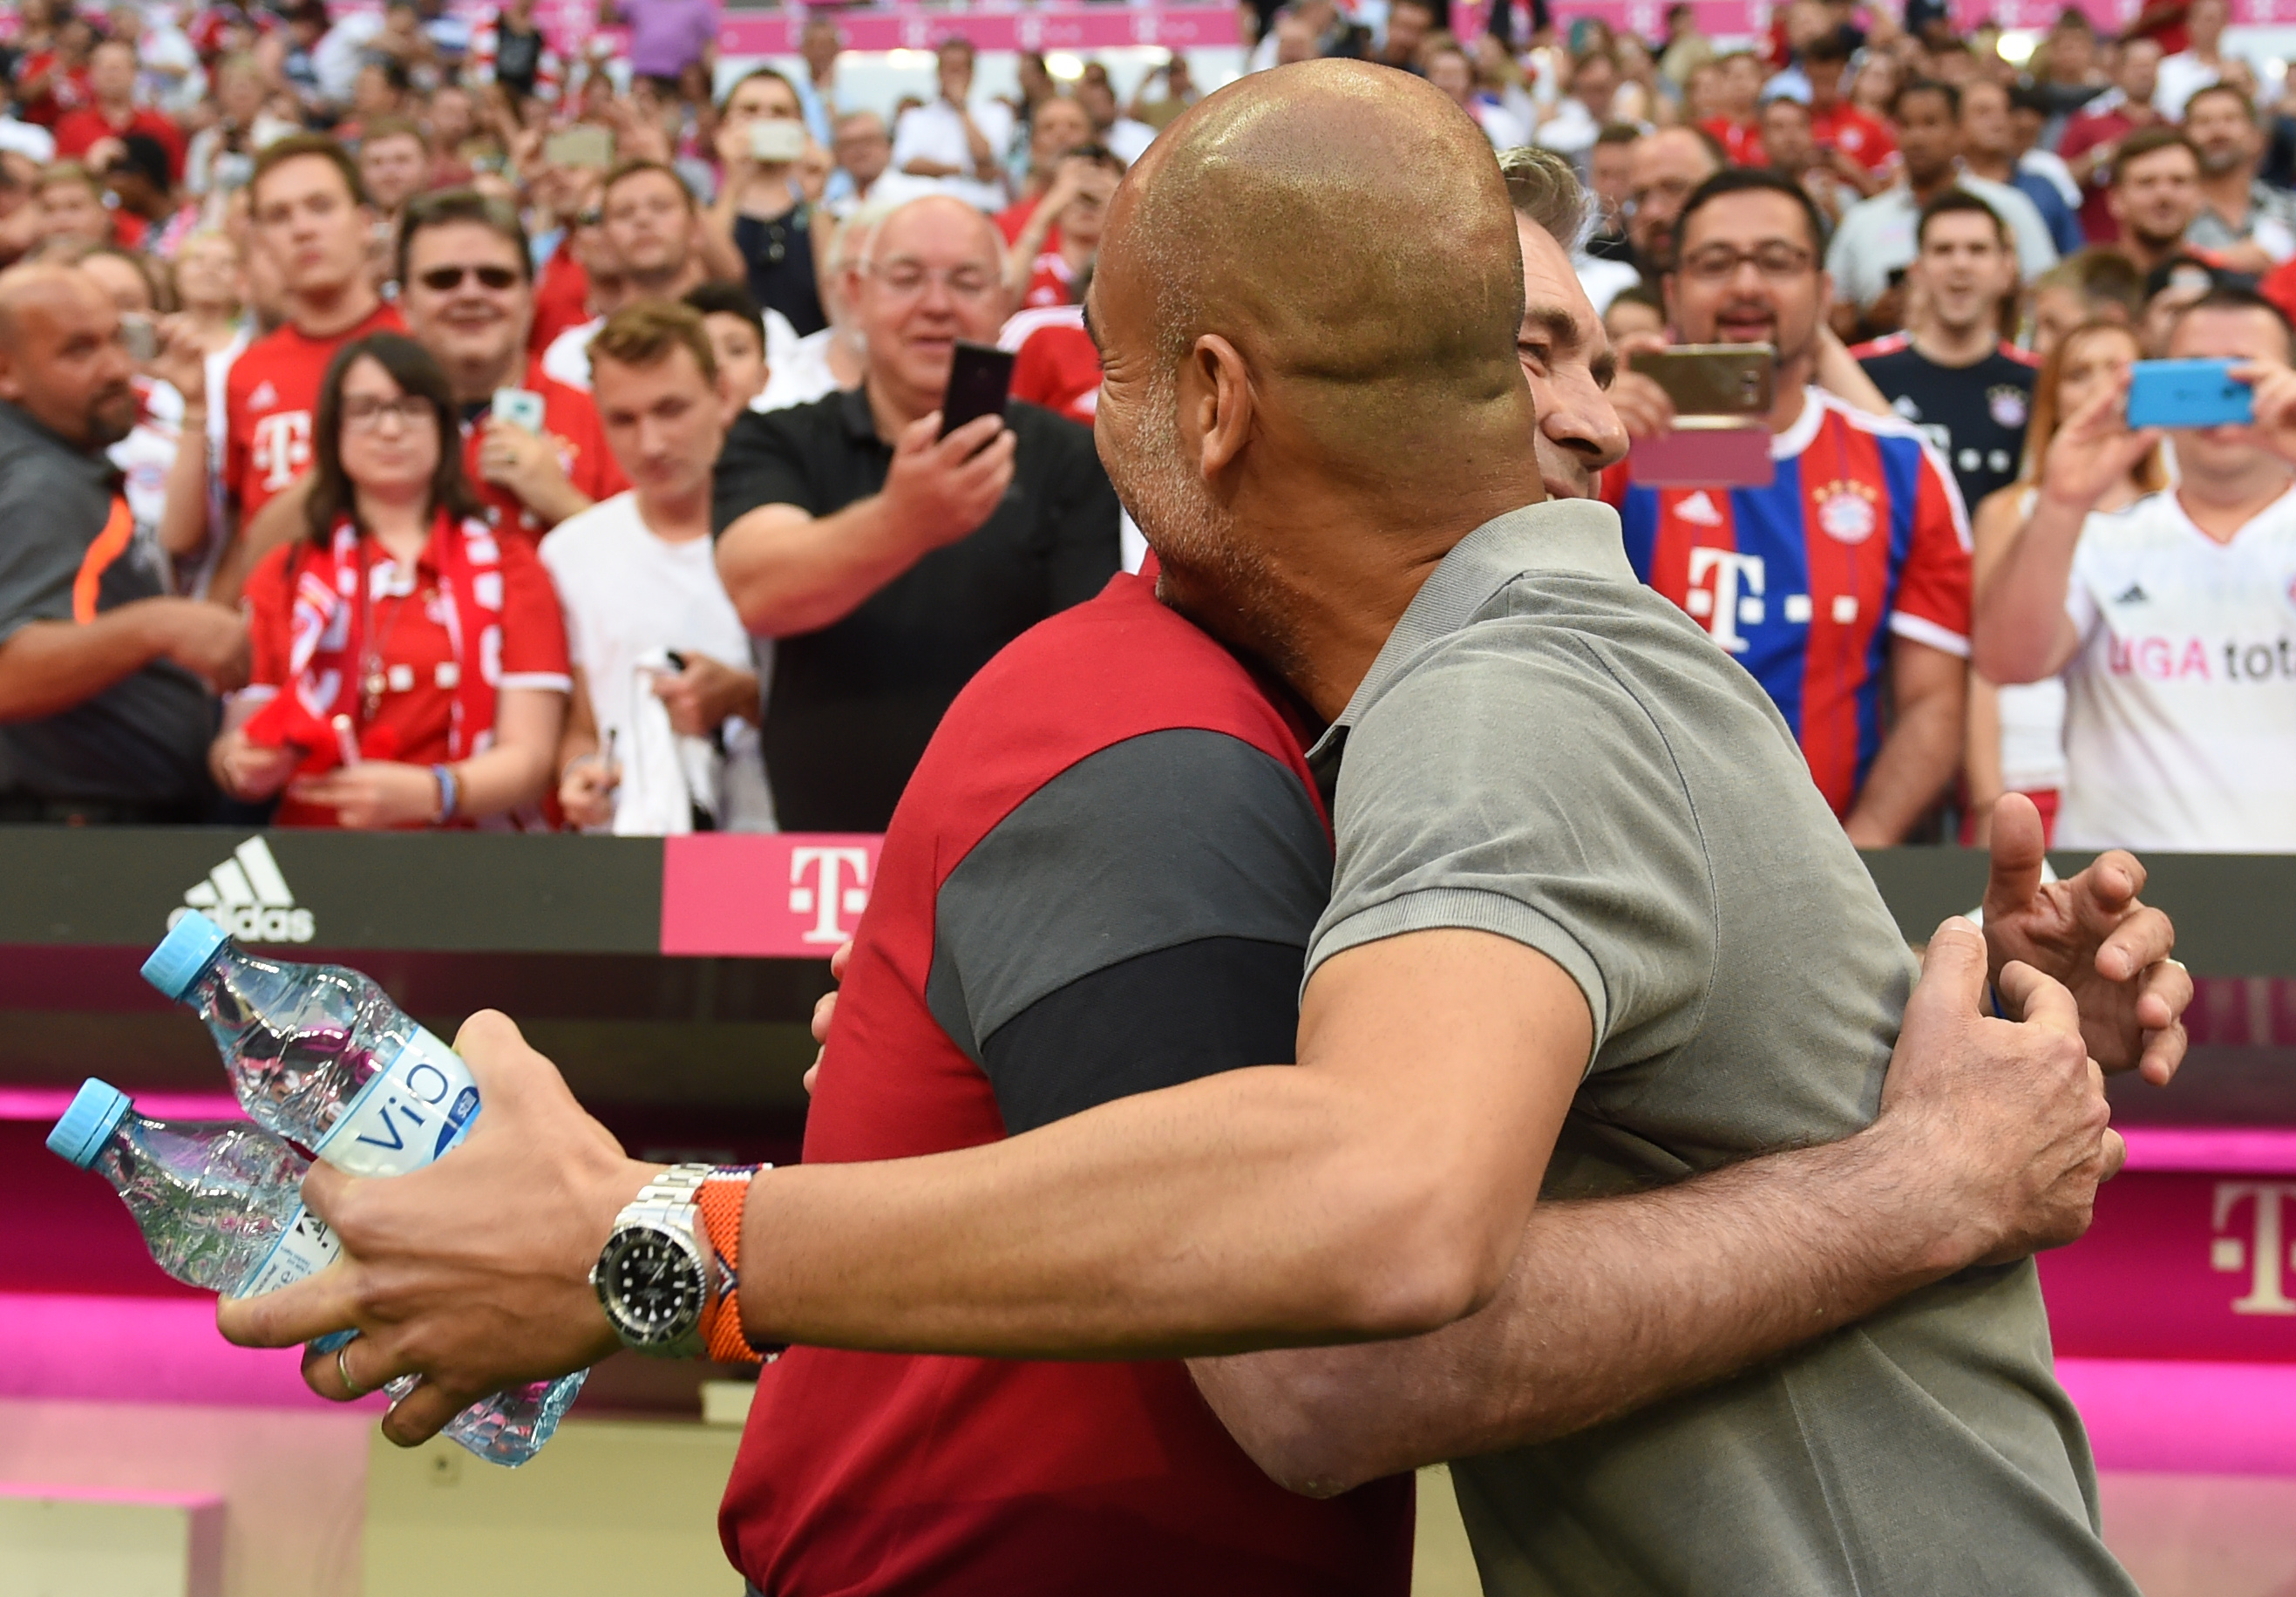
343,1369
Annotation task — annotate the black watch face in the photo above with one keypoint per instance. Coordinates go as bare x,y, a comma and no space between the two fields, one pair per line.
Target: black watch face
654,1289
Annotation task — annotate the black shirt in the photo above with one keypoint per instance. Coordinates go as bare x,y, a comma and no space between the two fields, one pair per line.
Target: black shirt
1975,415
518,56
780,258
852,706
143,741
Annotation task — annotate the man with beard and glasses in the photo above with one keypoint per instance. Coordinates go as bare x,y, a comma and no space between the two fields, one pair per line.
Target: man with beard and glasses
1041,1140
2155,195
1847,578
106,683
1952,374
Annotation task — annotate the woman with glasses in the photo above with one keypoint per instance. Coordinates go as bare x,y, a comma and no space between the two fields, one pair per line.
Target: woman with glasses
409,667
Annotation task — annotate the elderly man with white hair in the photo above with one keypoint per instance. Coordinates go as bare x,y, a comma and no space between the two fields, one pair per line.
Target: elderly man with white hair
892,562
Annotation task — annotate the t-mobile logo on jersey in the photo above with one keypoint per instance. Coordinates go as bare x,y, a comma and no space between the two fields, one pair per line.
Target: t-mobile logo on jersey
1732,598
826,896
2263,1253
282,447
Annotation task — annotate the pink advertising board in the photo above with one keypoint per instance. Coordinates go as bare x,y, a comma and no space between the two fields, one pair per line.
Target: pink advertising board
781,896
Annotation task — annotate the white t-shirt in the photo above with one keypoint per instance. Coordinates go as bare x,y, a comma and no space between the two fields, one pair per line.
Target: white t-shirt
802,376
627,592
936,133
2182,76
2180,721
2033,715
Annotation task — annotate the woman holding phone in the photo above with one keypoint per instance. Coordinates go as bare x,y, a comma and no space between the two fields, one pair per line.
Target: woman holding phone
2015,735
410,668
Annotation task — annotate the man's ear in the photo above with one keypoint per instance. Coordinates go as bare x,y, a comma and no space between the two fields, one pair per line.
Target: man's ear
1215,403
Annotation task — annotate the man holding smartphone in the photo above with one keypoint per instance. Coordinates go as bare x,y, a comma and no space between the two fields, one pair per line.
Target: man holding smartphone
532,445
1846,575
2168,619
891,563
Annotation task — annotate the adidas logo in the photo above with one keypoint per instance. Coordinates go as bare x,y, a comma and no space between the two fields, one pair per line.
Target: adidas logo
2136,594
1699,511
248,898
263,398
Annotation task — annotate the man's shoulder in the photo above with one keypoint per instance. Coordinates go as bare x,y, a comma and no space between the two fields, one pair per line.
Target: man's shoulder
1118,666
1881,353
36,467
794,429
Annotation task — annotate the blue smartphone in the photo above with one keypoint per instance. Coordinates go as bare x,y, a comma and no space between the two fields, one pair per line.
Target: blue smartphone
2188,393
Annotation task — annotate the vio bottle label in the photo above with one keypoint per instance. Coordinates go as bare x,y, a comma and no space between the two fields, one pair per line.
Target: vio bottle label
304,1249
406,1116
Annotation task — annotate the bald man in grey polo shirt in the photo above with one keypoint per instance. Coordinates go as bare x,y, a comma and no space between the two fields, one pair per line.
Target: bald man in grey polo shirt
1592,933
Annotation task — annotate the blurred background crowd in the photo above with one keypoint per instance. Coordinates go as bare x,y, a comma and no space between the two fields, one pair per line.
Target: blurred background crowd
425,415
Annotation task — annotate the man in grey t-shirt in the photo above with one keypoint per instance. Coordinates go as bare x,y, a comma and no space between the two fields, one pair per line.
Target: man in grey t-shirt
106,706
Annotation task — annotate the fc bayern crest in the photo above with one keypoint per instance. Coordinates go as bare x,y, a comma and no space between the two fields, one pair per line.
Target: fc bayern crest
2008,404
1845,517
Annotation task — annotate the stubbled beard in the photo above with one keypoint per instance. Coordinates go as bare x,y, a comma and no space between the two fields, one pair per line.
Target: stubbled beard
1208,573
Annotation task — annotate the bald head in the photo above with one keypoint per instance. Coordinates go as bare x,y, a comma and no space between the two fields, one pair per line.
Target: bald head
1342,224
61,358
1307,301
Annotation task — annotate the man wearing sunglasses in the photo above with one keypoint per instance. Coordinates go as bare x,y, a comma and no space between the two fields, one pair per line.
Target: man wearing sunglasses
466,289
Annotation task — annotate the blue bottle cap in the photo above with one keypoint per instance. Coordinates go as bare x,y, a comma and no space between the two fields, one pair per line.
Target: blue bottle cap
95,1113
182,954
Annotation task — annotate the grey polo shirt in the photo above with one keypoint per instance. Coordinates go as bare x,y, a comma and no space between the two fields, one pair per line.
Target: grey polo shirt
144,739
1547,751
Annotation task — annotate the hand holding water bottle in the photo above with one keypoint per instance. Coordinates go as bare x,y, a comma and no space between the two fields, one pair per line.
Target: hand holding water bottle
473,1271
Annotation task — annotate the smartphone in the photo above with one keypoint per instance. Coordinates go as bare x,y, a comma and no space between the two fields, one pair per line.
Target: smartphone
779,140
1714,379
2188,393
522,406
582,145
139,337
1726,455
977,379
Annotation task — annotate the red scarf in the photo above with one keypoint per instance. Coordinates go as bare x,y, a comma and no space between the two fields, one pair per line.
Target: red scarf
328,645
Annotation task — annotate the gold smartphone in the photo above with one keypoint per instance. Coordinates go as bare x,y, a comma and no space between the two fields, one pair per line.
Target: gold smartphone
1713,379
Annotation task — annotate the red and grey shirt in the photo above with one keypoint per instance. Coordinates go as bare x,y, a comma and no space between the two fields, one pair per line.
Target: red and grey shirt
1101,881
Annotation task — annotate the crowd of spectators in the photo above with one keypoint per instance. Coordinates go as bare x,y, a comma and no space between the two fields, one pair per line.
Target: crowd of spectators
403,424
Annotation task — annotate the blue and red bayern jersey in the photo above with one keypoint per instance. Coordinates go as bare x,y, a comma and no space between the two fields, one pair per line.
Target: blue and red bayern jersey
1861,537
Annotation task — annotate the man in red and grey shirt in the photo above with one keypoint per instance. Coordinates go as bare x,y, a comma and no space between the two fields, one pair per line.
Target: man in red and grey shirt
1115,744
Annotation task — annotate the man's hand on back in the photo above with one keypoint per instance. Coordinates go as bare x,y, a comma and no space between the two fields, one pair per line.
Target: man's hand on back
939,489
2092,935
2007,1118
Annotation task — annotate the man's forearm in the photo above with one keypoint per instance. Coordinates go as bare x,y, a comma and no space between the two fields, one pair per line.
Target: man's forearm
1612,1304
1911,769
47,667
2021,632
790,573
184,530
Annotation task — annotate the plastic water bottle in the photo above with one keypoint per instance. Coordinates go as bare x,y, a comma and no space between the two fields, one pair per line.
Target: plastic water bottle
321,1056
218,1201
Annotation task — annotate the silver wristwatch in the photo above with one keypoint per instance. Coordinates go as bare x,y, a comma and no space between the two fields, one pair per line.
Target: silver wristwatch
653,1276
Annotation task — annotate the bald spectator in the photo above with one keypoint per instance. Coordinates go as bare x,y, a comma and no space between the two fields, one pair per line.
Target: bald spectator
889,562
106,683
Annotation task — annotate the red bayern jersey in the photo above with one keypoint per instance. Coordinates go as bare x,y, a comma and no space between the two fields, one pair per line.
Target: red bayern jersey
268,401
1861,537
1742,140
77,132
569,419
1000,1478
1856,134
